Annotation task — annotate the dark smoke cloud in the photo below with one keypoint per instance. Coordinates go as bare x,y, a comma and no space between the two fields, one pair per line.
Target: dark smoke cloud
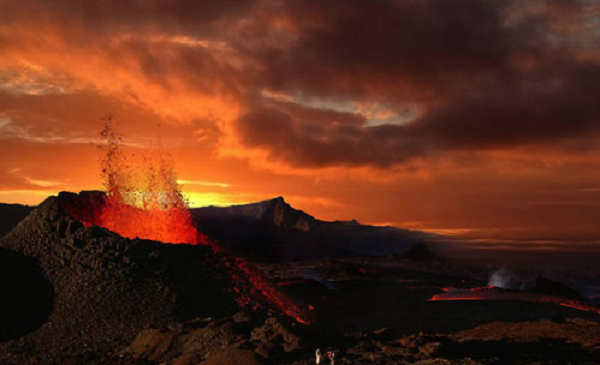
395,50
551,106
103,18
483,74
482,80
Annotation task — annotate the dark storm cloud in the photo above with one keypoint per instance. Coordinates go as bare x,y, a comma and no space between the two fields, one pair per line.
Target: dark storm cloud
115,16
486,75
482,74
398,50
560,103
319,137
565,8
554,106
199,68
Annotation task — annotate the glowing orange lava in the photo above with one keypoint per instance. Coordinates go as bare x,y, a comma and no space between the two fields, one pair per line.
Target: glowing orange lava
171,225
493,293
148,204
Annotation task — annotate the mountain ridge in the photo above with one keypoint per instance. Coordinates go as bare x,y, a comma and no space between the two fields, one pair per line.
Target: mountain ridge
273,229
11,215
275,210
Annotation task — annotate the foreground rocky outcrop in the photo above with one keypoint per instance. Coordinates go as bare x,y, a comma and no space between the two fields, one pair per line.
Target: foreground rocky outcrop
577,331
232,340
85,295
104,288
242,340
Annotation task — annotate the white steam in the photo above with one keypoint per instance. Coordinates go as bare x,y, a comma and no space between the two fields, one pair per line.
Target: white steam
507,279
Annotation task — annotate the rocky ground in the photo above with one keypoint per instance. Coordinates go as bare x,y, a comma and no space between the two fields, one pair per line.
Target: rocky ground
228,340
104,289
84,295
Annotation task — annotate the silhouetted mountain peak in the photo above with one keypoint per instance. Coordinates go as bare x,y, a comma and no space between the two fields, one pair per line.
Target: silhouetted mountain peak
278,200
276,212
551,287
11,215
281,214
352,223
272,228
419,252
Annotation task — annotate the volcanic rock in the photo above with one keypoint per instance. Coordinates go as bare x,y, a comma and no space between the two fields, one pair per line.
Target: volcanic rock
233,356
574,330
226,339
152,344
429,349
105,288
273,335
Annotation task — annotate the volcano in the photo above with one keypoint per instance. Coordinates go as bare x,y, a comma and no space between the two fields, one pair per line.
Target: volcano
78,293
99,289
106,288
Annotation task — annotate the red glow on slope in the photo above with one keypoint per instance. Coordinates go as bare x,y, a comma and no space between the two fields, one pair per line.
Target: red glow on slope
145,202
150,205
261,286
492,293
173,225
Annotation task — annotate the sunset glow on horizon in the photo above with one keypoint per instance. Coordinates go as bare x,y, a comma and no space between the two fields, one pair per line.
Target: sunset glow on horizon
471,118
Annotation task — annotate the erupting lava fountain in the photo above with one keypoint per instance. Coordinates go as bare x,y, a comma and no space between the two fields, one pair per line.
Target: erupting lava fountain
145,201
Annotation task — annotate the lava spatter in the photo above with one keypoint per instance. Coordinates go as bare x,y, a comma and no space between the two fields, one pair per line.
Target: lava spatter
145,201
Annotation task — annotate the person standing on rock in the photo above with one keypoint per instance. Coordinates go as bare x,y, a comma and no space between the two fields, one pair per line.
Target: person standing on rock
318,356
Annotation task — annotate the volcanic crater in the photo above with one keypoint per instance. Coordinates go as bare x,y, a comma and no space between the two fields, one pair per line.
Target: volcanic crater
78,293
93,290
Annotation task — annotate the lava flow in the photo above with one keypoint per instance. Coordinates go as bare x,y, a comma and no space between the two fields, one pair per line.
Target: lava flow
493,293
148,204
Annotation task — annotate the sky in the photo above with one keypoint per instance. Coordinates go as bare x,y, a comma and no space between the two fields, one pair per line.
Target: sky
472,118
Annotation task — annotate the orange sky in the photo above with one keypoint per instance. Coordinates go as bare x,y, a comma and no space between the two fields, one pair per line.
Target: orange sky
477,119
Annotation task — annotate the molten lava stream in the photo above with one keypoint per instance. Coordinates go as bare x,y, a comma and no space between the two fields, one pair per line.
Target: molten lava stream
144,200
492,293
268,291
175,225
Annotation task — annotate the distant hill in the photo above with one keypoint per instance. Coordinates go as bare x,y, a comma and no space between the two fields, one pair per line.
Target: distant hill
275,212
418,252
274,229
89,289
550,287
11,215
